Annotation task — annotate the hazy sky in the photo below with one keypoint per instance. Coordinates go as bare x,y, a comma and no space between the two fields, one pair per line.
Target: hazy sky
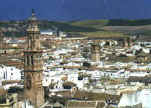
76,9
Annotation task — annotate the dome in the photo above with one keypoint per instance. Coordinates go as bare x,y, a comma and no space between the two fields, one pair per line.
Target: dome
33,23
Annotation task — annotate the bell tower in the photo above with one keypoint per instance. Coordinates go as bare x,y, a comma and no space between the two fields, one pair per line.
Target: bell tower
33,64
95,52
1,40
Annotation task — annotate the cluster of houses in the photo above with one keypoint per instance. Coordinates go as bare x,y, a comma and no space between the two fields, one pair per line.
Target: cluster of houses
70,64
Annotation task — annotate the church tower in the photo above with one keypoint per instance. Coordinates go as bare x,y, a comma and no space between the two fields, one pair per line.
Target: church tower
1,40
95,52
33,65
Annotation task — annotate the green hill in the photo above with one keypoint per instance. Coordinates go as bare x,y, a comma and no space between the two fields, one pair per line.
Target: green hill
118,27
113,22
122,22
91,23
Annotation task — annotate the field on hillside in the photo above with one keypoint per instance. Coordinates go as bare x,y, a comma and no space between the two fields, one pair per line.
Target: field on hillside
117,27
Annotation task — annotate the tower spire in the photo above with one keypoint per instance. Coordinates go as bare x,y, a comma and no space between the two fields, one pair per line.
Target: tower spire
33,32
1,39
33,14
33,11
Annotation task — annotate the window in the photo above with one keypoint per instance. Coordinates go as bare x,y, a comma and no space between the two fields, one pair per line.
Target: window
28,82
32,60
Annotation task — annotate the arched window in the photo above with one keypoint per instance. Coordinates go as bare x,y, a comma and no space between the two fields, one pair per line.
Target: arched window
28,60
32,60
28,82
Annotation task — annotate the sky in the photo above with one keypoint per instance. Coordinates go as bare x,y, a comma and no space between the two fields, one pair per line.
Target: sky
75,9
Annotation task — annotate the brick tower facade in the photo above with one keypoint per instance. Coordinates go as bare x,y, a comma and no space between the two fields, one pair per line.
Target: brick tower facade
1,40
95,52
33,65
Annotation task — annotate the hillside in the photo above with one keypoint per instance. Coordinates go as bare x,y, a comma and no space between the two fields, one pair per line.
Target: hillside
118,26
112,22
87,27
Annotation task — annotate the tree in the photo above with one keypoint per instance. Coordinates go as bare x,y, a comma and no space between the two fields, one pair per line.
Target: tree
86,64
68,85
